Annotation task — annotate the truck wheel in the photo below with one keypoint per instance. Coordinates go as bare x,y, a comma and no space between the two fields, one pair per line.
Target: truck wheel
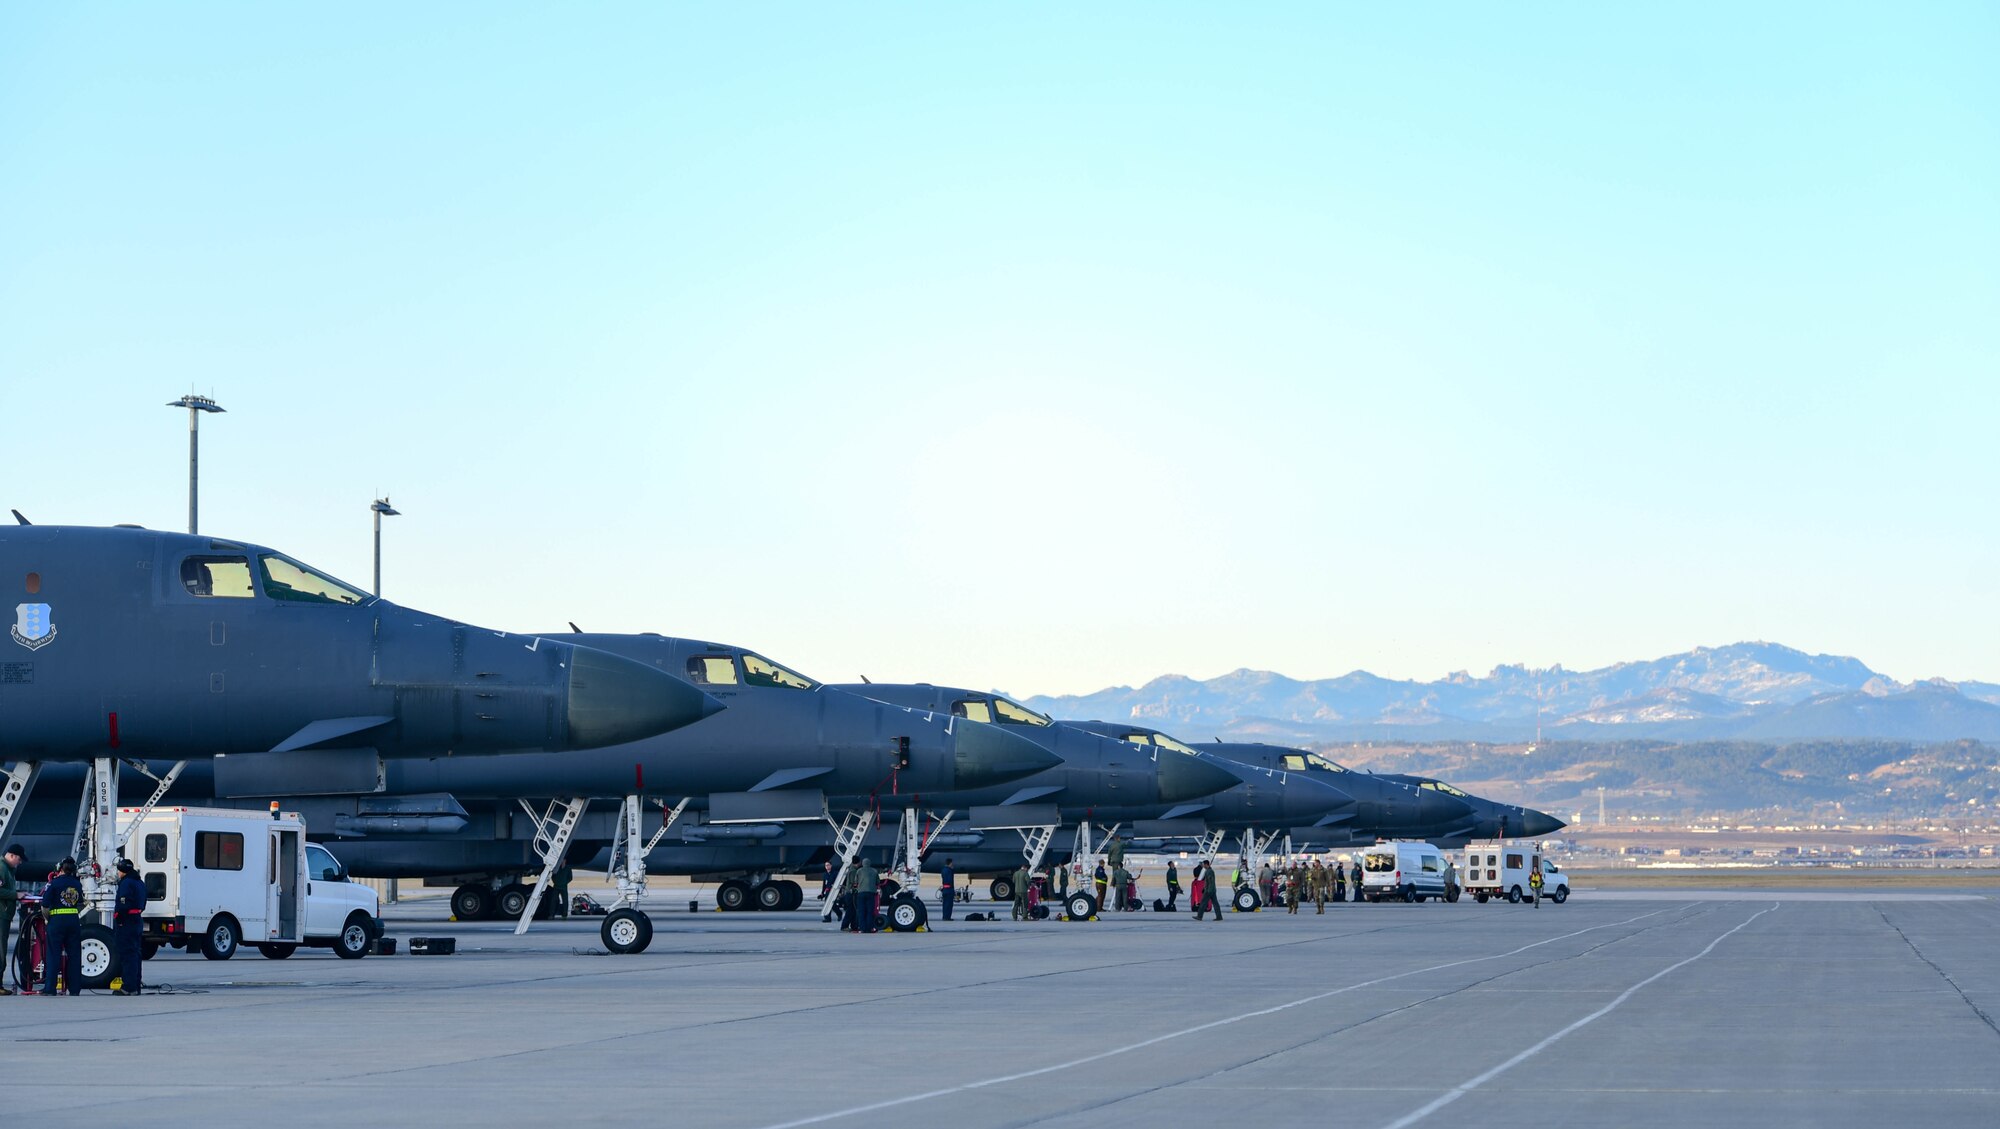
626,931
1561,895
471,902
1410,894
733,895
795,896
1514,895
223,937
1002,889
907,914
1080,906
1480,897
147,949
1246,900
352,944
277,952
770,896
1451,895
99,966
512,899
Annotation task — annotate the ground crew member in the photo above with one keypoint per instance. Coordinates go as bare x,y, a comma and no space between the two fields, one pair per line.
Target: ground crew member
1021,892
1294,878
1214,894
1322,881
1100,881
1062,883
850,896
1118,879
826,880
1173,885
1235,876
947,887
1356,876
127,911
559,882
63,902
867,887
1267,883
1535,882
1450,881
1114,852
10,898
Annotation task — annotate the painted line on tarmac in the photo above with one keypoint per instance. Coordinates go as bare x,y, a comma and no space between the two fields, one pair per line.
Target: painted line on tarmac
1466,1087
891,1103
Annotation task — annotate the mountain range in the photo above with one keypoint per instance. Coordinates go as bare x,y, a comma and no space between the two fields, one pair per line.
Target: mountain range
1744,691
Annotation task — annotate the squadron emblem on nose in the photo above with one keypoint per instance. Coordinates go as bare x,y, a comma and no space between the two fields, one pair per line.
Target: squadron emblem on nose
33,627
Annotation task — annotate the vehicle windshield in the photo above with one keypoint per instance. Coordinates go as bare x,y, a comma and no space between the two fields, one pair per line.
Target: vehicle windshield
1441,786
288,580
972,709
1013,713
760,671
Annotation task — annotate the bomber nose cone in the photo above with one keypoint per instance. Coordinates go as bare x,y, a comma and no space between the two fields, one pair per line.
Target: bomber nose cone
1434,806
986,754
1535,824
614,700
1184,778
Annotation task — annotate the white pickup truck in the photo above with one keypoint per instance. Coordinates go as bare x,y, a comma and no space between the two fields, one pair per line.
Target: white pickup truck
220,878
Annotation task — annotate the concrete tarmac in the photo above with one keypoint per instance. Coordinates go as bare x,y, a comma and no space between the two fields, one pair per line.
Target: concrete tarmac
1767,1010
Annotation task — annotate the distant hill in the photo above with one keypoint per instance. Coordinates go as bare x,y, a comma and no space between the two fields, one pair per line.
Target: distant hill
1747,691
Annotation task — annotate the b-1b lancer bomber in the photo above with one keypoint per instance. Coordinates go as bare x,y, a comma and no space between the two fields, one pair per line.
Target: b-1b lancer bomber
132,645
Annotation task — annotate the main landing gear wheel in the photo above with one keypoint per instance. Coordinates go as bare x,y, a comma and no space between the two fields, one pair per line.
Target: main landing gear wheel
1002,889
471,903
907,914
795,896
770,896
100,958
1080,907
733,895
277,951
627,931
512,900
1247,901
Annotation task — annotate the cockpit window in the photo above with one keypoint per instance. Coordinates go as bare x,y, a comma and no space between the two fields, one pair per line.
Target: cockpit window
287,579
1166,742
1139,738
1012,713
712,670
760,671
217,576
1441,786
972,709
1310,762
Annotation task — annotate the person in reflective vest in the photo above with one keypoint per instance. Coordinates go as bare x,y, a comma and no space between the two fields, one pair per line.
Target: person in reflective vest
63,901
127,913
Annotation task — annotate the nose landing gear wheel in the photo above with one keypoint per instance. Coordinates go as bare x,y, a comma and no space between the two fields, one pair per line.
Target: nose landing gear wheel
1080,907
1247,901
100,958
626,931
907,914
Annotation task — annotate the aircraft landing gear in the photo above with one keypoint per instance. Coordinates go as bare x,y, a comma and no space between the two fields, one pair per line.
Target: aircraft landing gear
1247,901
626,930
1001,889
907,913
472,902
733,896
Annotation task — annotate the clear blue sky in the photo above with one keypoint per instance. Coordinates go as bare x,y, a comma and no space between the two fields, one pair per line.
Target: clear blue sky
1040,347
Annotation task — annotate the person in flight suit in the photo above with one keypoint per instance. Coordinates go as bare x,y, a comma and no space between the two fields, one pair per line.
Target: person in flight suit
1173,885
867,889
127,912
1021,877
1320,881
1294,878
10,898
63,901
947,887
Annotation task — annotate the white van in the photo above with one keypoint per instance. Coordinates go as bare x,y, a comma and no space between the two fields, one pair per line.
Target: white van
220,878
1400,871
1496,872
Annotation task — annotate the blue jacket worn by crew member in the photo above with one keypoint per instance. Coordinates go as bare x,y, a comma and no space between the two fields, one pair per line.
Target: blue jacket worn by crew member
63,901
9,898
126,919
947,887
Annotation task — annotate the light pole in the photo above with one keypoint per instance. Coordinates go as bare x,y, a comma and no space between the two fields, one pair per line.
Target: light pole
382,509
195,405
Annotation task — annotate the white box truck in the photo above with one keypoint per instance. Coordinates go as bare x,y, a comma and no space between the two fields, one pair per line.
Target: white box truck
220,878
1502,872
